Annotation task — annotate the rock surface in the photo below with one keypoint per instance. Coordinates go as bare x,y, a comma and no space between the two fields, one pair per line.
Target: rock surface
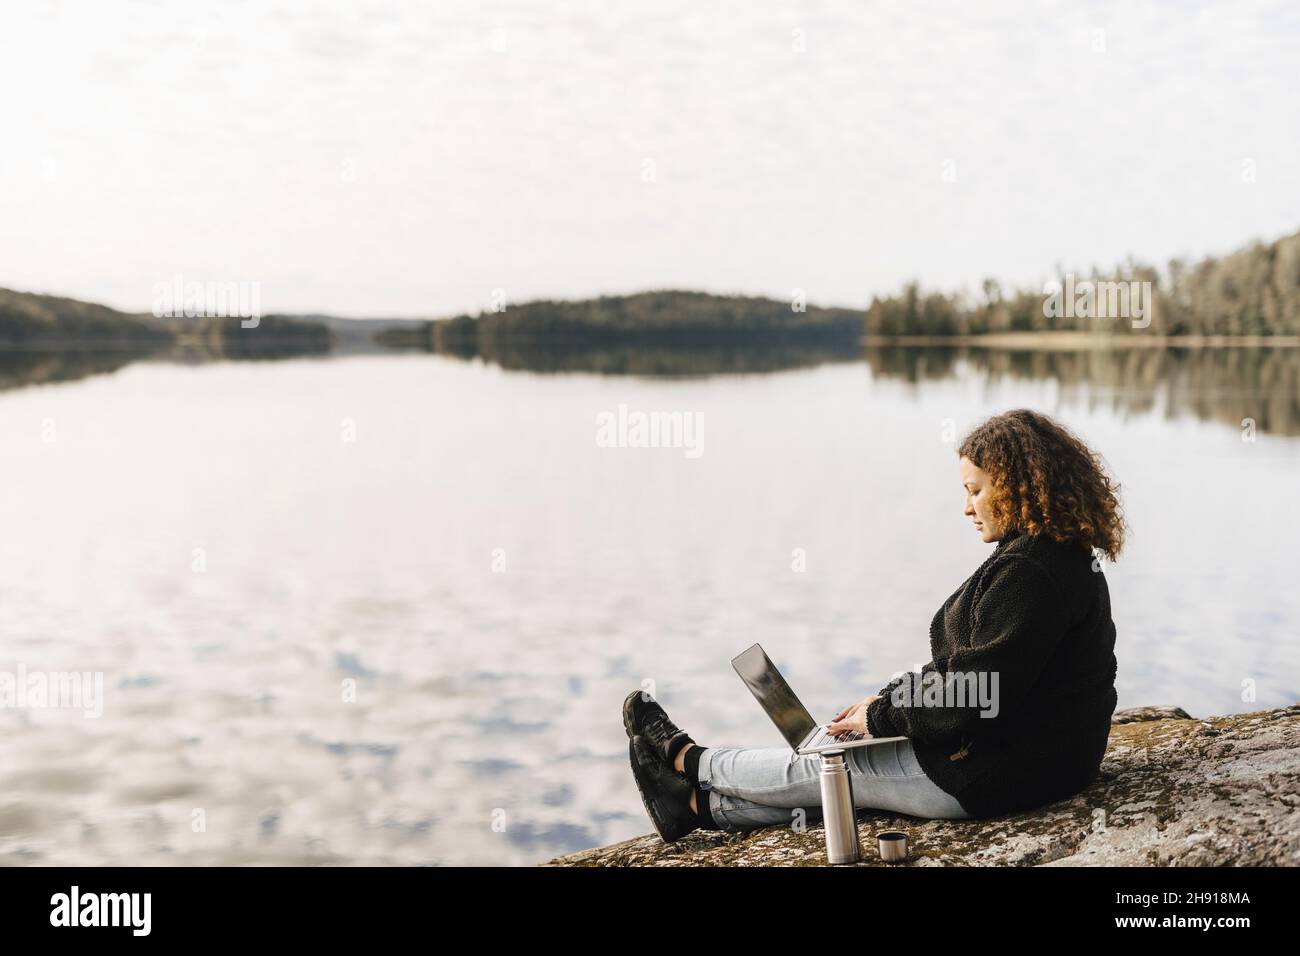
1172,790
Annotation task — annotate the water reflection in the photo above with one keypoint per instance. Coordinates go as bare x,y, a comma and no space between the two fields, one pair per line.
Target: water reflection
348,679
19,369
1222,385
668,362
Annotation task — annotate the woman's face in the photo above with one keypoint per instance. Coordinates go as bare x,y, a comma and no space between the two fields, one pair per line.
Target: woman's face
976,482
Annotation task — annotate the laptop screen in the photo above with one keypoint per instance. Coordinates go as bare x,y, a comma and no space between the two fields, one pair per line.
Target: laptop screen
774,694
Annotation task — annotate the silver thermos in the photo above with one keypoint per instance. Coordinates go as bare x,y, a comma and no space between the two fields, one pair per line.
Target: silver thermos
839,816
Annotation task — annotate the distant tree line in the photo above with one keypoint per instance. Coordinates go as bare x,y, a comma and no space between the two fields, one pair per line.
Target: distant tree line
1254,291
31,322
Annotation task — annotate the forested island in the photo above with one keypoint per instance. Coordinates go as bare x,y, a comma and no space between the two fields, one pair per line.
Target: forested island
663,331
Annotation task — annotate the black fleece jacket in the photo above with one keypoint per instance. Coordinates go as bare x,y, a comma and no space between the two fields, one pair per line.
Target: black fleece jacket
1031,636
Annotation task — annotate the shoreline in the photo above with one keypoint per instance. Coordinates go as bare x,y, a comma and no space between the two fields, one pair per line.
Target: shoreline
1086,340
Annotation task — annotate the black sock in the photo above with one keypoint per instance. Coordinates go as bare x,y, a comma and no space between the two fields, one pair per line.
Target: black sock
691,764
675,746
691,767
702,812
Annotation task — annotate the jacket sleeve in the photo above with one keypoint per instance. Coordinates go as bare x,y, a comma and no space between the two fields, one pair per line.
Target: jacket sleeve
1017,622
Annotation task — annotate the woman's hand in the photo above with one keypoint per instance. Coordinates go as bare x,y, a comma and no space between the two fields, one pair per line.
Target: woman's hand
852,718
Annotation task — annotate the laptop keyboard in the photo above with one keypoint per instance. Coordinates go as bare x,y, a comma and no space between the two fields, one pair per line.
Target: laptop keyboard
824,738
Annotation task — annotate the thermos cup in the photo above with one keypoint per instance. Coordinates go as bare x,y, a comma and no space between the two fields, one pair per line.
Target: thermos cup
893,846
839,816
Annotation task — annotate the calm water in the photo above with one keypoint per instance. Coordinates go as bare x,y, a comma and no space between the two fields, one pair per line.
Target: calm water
384,609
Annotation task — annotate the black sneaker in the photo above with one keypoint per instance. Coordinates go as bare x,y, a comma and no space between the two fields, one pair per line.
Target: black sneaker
665,793
644,717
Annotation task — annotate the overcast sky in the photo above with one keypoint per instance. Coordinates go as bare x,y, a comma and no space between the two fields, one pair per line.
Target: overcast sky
407,158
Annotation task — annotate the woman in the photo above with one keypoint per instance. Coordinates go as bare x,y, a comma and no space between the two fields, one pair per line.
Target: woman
1012,712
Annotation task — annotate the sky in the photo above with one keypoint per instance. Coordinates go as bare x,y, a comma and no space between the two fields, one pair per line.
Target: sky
402,158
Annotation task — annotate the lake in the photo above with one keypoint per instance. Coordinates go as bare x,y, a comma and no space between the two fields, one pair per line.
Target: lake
384,609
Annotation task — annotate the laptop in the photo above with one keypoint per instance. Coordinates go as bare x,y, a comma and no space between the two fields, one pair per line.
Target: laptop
776,698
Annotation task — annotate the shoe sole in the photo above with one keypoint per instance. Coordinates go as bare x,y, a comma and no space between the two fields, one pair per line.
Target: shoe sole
645,786
627,713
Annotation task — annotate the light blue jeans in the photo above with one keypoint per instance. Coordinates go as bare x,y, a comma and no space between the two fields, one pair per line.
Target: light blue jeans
755,787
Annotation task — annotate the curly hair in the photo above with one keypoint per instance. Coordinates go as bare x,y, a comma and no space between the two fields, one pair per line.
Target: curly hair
1045,480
